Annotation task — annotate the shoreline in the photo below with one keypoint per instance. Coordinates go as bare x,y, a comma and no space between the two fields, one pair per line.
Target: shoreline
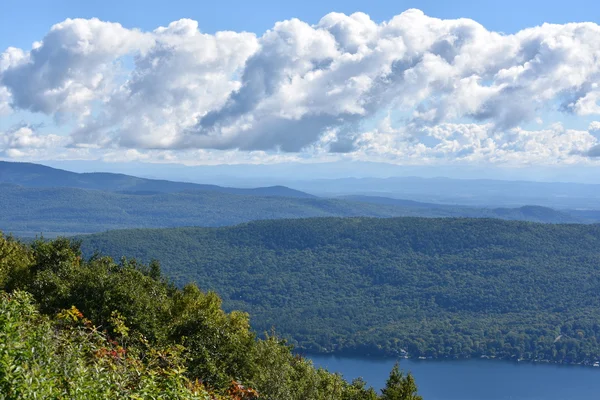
309,355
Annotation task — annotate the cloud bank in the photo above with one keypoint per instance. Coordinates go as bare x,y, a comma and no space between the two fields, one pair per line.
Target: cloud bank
410,89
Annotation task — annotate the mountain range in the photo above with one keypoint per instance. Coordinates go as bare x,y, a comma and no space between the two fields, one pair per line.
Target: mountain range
36,199
41,176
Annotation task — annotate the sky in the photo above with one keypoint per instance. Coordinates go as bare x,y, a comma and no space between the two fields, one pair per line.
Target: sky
483,84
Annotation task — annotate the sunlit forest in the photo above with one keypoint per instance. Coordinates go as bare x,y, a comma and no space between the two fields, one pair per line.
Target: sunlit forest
99,329
417,287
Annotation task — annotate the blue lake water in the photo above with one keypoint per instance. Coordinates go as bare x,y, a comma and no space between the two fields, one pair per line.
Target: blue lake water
476,379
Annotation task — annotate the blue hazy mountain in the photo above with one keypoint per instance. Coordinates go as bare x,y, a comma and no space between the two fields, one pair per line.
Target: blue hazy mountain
356,178
38,199
28,211
472,192
40,176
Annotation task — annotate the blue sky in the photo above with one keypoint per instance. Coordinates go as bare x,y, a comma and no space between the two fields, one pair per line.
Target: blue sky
522,99
25,21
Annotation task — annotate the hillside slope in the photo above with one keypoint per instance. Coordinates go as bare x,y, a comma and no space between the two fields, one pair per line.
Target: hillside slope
432,287
97,329
52,211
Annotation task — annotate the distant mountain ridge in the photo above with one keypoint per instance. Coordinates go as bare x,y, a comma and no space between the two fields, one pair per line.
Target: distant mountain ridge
465,192
29,211
40,176
37,199
524,213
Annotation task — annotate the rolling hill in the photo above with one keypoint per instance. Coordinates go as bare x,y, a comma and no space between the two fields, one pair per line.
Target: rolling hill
437,288
29,211
40,176
38,199
523,213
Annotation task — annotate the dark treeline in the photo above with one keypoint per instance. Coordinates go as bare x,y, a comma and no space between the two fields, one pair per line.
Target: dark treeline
437,288
99,329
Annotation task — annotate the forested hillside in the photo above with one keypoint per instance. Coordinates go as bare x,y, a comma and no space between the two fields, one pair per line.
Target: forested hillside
430,287
51,211
97,329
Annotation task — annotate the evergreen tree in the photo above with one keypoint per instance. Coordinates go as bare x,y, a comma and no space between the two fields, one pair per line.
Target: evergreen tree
400,387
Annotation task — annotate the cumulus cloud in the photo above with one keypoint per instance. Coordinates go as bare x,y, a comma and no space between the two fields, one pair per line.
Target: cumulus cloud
72,66
5,108
182,76
470,142
594,127
24,141
594,130
454,89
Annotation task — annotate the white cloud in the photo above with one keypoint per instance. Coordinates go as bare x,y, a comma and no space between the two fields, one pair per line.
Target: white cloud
5,107
461,91
71,67
11,57
475,143
26,137
588,104
594,127
182,76
24,141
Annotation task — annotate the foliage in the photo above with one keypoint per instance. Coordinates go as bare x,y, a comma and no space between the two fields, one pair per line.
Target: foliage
400,387
14,259
439,288
67,357
141,337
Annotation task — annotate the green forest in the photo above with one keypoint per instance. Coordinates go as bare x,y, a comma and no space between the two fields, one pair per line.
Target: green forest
417,287
72,328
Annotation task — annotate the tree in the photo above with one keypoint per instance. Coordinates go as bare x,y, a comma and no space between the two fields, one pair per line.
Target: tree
141,335
15,259
358,390
400,387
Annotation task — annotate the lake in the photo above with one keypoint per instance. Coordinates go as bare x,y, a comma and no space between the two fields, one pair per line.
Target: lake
476,379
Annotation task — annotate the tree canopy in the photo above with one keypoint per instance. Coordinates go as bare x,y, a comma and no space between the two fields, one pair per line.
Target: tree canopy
438,288
94,328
